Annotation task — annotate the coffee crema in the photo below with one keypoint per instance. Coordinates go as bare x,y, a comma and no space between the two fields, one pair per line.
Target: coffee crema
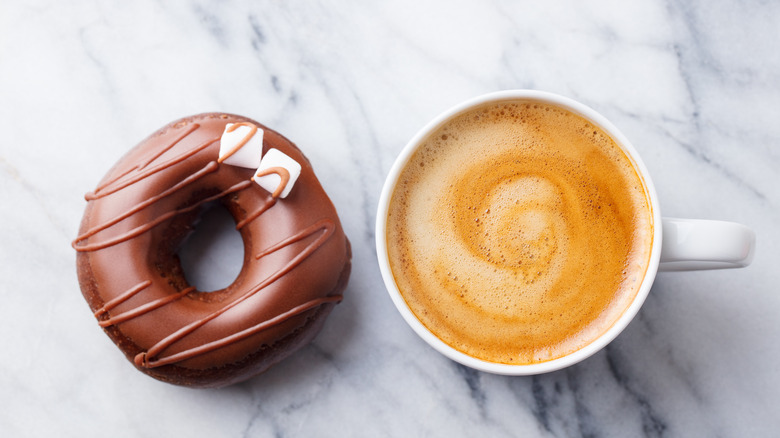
519,232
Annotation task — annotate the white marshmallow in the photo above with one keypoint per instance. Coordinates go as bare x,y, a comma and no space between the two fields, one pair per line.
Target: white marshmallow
249,154
270,182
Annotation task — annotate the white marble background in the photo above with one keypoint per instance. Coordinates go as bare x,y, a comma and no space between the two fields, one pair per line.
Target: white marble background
694,84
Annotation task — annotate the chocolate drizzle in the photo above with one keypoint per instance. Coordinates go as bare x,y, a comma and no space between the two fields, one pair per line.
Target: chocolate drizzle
211,167
140,310
254,215
161,189
117,301
142,359
102,191
283,173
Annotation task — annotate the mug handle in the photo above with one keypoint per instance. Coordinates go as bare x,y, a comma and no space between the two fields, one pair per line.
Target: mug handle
695,244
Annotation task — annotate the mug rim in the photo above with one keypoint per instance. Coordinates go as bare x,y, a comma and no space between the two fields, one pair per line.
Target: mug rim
381,230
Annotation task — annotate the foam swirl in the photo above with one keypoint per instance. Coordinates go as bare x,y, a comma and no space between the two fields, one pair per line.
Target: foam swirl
512,234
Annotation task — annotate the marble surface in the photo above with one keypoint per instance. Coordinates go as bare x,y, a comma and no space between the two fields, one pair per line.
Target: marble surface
694,84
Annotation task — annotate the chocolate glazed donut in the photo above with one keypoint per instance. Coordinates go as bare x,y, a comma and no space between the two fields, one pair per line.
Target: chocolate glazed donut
296,258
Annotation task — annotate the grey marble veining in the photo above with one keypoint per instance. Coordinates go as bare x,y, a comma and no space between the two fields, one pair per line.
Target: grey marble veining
695,85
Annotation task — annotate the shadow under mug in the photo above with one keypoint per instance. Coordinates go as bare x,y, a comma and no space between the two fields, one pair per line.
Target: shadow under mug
678,244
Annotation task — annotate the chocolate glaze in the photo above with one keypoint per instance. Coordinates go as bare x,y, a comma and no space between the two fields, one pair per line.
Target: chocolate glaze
296,258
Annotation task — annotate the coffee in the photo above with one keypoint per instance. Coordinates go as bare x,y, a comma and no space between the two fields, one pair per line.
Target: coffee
519,232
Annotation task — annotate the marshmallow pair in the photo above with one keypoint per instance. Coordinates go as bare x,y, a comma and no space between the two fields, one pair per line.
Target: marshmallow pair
242,145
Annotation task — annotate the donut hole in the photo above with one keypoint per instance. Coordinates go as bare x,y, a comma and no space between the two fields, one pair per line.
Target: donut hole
211,257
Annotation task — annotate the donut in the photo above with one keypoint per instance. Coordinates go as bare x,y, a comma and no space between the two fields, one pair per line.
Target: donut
296,256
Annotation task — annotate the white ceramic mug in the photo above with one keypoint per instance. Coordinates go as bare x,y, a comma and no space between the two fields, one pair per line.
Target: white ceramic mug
678,244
